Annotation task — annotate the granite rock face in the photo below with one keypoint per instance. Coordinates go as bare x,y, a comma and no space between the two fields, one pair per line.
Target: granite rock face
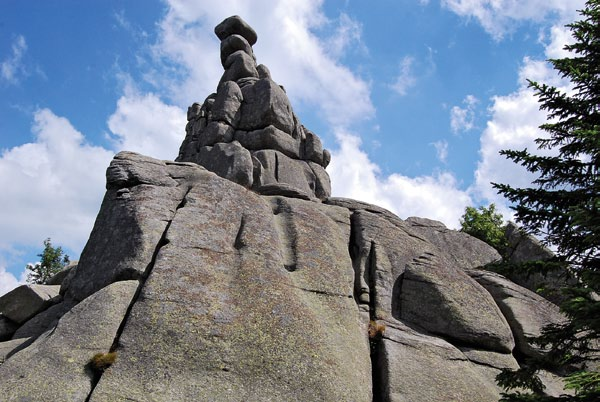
231,275
209,291
247,131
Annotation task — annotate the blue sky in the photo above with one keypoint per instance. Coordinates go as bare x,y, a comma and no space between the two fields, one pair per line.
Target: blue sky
413,98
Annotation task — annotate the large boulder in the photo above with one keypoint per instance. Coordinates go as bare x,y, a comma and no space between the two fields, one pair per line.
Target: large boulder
25,301
62,370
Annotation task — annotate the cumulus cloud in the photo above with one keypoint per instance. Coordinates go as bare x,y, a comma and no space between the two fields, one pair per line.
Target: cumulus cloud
51,187
287,44
514,123
499,17
406,77
12,67
463,119
135,125
354,175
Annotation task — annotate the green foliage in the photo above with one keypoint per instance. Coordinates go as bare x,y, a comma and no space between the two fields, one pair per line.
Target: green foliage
52,261
563,205
485,224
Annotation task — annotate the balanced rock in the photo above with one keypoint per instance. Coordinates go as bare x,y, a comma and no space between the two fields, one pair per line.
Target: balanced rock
232,275
252,111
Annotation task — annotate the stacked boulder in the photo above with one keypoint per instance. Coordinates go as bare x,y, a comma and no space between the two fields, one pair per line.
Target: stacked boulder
247,132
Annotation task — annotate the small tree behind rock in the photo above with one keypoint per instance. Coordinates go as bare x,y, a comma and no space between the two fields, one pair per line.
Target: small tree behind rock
52,261
486,224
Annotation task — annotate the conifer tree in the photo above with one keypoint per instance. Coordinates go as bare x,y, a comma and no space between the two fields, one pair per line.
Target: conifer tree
52,260
563,207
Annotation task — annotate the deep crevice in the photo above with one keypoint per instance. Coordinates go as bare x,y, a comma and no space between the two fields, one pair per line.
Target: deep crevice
96,375
286,231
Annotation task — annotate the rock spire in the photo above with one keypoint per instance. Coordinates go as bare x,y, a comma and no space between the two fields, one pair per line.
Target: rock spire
247,131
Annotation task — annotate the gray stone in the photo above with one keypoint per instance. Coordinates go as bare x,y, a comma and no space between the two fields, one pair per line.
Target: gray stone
230,161
193,111
467,252
44,321
215,133
326,158
57,278
275,167
25,301
269,138
235,25
141,200
265,104
232,44
227,103
263,71
270,312
523,247
444,300
284,190
7,348
239,65
313,150
61,371
525,311
7,328
322,181
415,367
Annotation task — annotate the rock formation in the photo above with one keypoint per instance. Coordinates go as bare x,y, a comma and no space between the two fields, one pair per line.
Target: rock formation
247,132
232,275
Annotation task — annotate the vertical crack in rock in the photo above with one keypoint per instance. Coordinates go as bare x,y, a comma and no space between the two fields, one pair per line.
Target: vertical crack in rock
284,224
95,375
239,242
363,255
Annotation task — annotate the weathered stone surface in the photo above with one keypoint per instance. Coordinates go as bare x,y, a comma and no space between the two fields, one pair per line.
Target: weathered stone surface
141,200
265,104
239,65
275,167
227,103
7,348
415,367
322,181
269,138
232,44
25,301
270,313
236,25
263,71
7,328
57,278
444,300
44,321
313,149
525,311
61,356
523,247
230,161
214,133
467,251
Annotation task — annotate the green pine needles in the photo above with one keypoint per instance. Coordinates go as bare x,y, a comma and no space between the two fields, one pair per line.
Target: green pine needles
563,207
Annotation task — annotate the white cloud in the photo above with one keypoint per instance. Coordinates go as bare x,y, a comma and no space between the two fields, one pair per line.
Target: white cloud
499,17
143,123
406,78
514,123
441,150
354,175
51,187
462,119
12,66
347,36
287,44
8,281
